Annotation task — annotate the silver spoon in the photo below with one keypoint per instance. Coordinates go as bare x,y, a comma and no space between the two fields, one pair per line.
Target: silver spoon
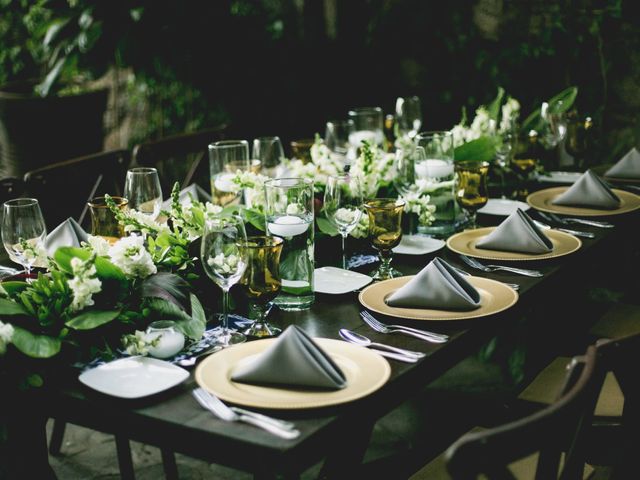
358,339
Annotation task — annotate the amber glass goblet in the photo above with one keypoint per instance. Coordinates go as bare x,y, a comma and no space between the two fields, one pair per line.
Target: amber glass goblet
471,188
385,231
103,222
261,282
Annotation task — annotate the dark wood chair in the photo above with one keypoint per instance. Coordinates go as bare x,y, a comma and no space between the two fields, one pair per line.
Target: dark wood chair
180,158
64,188
556,433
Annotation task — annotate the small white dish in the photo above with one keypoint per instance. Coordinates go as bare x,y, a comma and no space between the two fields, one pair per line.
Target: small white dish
336,281
503,207
418,245
560,177
134,377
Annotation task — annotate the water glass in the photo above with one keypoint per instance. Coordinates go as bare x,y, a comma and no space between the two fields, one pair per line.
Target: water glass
23,231
269,151
336,138
368,125
224,261
143,192
226,157
471,188
103,222
555,123
385,231
407,167
261,282
289,214
343,205
408,116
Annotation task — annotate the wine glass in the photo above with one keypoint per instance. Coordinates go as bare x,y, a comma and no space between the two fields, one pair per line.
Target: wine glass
368,125
504,150
385,230
23,231
343,205
224,260
471,188
143,191
270,152
555,123
524,160
261,282
226,157
336,138
408,116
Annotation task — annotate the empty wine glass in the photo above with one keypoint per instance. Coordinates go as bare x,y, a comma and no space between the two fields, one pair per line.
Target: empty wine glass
23,231
408,116
143,191
504,151
555,123
336,138
270,152
226,157
224,260
343,205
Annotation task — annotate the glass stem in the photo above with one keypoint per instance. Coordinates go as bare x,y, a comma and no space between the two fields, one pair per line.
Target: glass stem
225,311
343,237
385,260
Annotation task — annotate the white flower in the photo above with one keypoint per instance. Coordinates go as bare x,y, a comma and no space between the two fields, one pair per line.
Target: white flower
83,284
225,264
362,228
132,257
138,343
212,210
510,113
145,223
295,209
6,334
98,245
416,202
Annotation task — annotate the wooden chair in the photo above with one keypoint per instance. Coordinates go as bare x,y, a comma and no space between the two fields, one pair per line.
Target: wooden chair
64,188
555,434
180,158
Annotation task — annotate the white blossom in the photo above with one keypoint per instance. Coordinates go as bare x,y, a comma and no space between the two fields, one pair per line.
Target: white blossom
418,203
510,112
361,229
132,257
138,343
6,334
145,223
98,245
225,264
84,283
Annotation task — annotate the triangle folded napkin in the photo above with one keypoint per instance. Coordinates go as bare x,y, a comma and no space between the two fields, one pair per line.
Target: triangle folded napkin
294,359
588,191
517,233
194,191
627,167
68,234
436,286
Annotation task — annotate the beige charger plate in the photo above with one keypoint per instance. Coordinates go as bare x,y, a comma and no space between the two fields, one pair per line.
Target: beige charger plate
541,200
465,243
494,297
365,370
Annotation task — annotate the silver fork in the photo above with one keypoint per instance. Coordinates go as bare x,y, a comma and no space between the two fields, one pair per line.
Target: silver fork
226,413
515,286
472,262
577,233
378,326
566,220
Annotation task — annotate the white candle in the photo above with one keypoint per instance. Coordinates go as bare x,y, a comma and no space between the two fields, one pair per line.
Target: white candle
370,136
434,168
170,342
224,182
288,226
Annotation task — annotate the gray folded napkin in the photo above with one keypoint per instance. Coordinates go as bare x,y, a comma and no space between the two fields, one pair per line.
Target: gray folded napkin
294,359
627,167
68,234
517,233
588,191
186,194
436,286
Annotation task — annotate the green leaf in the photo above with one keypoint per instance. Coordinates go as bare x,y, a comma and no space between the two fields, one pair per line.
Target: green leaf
92,319
9,307
494,107
326,227
14,287
104,268
165,285
192,326
35,346
255,218
168,310
535,122
480,149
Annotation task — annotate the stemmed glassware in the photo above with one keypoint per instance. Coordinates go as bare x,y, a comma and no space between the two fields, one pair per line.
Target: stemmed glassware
471,188
224,259
226,157
385,230
270,152
408,116
336,138
261,282
343,205
504,152
555,123
143,191
524,160
23,231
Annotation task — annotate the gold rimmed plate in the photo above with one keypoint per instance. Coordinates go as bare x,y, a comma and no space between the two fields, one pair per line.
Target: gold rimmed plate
465,243
365,370
542,200
494,297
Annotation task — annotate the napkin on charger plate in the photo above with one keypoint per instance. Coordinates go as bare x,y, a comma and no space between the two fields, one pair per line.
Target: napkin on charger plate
627,167
186,194
68,234
588,191
436,286
517,233
294,359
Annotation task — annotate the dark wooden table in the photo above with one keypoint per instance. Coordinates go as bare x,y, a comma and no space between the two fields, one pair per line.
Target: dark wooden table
174,421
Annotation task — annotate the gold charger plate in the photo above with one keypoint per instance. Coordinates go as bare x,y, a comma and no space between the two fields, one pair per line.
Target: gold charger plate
494,297
541,200
365,370
465,243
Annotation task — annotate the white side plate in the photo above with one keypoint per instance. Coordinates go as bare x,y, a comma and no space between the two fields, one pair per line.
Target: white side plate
503,206
134,377
337,281
418,245
560,177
